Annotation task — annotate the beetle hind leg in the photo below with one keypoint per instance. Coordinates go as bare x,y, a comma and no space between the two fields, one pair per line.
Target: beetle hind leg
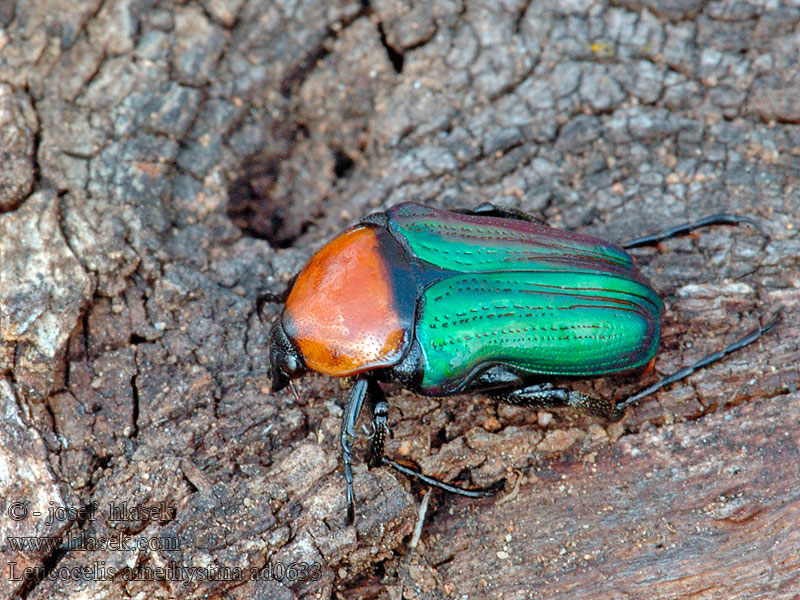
719,219
703,362
546,395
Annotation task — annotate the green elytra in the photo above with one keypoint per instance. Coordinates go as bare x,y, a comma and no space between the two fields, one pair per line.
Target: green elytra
540,300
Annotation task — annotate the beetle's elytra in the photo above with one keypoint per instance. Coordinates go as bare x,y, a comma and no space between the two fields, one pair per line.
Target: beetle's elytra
472,301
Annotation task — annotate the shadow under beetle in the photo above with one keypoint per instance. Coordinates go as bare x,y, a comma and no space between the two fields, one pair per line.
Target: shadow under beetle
482,300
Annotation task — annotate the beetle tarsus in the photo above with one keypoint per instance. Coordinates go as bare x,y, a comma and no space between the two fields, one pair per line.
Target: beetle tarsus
703,362
272,298
678,230
351,501
351,411
347,458
448,487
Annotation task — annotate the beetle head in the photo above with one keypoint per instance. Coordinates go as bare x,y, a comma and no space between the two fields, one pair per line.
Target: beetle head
285,361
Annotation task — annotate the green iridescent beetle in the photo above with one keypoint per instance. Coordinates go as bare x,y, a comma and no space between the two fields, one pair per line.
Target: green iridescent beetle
486,300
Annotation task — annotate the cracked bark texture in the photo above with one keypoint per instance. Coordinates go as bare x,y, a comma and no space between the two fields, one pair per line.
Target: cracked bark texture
139,139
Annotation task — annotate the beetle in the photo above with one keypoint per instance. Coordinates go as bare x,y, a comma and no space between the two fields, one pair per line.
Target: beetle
485,300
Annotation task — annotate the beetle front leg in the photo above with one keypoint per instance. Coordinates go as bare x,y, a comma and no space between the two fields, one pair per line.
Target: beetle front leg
351,411
545,395
276,297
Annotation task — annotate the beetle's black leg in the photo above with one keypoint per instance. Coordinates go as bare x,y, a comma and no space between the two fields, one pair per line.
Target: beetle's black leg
376,458
276,298
704,362
504,384
720,219
487,209
380,425
546,395
351,411
496,378
272,298
432,481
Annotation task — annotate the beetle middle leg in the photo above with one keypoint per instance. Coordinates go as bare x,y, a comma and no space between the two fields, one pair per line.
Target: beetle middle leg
380,427
368,388
487,209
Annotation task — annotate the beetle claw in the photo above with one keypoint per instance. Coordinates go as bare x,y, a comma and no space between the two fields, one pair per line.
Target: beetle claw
370,431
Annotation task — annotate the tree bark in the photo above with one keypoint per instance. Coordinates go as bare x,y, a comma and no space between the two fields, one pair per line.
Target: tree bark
163,167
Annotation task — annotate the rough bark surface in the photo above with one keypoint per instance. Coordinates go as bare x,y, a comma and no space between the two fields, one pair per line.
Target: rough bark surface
163,164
